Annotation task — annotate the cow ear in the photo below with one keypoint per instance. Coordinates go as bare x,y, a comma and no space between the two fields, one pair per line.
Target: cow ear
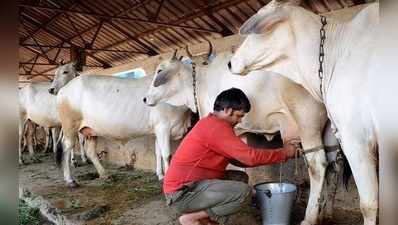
161,78
74,63
262,22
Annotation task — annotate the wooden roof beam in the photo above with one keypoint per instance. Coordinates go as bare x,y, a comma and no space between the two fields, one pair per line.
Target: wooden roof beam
30,76
105,64
96,33
88,49
155,18
48,64
151,51
77,32
42,51
193,15
90,28
46,23
126,18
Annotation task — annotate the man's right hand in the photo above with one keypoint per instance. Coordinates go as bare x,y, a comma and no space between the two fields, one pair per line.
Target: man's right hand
292,147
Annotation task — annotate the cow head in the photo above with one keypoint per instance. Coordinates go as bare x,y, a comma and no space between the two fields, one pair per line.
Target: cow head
269,41
172,84
63,75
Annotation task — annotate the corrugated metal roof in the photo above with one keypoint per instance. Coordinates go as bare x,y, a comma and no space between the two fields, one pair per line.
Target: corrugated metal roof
158,26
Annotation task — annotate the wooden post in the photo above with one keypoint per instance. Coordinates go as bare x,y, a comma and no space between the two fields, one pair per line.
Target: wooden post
79,55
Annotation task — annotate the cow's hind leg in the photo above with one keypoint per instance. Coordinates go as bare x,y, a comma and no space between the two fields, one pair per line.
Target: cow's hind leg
73,160
31,130
362,160
82,151
92,155
29,137
55,132
47,144
22,129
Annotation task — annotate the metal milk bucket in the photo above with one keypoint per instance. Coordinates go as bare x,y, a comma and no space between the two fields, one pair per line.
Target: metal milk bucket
275,201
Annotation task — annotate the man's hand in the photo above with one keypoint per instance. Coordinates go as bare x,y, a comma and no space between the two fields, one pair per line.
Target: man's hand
292,148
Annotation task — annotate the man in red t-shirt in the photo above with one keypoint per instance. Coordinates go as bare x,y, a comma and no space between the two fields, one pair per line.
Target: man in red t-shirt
194,183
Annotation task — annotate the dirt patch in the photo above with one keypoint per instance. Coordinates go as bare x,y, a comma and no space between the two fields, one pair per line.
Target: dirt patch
129,197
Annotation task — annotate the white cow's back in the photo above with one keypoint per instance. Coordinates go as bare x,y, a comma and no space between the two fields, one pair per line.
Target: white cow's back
113,106
38,105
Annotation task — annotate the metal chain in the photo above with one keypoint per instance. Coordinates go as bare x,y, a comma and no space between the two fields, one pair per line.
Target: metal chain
194,86
322,34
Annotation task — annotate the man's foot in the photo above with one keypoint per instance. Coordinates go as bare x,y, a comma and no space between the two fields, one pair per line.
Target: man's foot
208,221
187,220
193,218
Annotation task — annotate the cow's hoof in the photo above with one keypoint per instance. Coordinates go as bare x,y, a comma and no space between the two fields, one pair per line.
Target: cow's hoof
73,184
85,162
106,178
327,221
48,150
35,159
75,164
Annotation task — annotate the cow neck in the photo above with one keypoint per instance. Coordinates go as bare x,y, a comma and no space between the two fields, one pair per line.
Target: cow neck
308,60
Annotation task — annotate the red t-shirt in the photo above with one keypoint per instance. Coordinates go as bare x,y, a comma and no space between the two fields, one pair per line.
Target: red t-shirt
205,153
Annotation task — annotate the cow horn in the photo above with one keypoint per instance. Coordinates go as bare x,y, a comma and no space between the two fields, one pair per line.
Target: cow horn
61,62
188,52
210,49
174,55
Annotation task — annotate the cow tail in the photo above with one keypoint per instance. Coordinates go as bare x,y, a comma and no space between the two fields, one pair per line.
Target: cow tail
347,172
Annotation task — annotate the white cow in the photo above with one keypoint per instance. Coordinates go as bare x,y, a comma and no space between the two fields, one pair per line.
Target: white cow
38,106
27,130
277,105
112,107
284,38
29,136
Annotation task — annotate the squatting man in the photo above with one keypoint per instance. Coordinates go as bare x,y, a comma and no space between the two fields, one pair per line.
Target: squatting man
196,184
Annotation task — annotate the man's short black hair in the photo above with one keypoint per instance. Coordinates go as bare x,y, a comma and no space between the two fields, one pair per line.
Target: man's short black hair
232,98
